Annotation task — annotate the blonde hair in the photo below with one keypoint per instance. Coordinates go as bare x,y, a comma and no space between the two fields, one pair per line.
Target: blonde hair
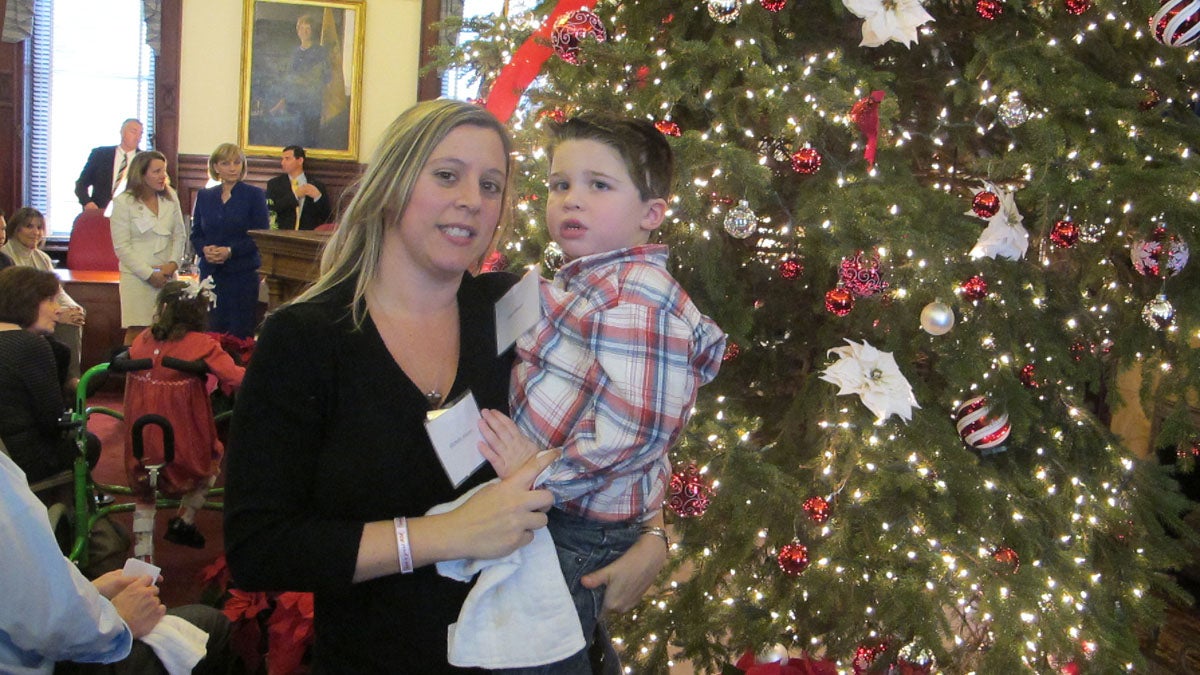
136,184
355,249
224,152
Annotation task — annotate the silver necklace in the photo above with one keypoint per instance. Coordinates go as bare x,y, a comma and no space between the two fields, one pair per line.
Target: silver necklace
434,397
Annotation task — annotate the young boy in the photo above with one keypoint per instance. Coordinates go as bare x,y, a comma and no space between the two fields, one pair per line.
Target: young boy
608,377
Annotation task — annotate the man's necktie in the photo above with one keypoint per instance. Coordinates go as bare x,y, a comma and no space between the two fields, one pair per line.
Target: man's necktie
299,198
121,171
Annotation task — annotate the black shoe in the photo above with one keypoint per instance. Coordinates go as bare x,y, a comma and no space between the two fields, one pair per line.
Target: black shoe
184,534
103,499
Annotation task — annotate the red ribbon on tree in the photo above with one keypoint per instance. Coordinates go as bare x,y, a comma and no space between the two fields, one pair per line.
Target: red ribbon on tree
865,114
526,63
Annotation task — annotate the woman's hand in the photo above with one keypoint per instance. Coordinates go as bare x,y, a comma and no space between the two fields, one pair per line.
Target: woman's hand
495,521
628,577
139,606
169,269
504,446
158,279
69,315
112,583
217,254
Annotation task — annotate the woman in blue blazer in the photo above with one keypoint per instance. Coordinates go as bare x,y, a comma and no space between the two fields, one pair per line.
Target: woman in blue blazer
221,225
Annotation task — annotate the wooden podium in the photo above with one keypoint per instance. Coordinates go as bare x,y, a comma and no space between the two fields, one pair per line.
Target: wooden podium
290,261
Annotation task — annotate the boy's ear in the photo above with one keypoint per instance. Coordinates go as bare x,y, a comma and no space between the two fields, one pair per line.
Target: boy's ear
656,210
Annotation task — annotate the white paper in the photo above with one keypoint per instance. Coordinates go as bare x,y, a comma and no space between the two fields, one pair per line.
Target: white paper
454,431
518,311
141,568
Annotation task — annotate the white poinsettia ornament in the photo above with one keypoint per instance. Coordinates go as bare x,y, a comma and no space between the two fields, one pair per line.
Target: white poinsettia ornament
885,20
875,377
1005,236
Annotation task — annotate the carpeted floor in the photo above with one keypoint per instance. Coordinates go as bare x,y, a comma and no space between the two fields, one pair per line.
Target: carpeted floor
181,565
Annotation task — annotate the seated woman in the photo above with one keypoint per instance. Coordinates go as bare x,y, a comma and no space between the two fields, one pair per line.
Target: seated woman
26,231
31,400
177,332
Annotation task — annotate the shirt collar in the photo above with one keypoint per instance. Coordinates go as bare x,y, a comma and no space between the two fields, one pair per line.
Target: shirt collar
655,254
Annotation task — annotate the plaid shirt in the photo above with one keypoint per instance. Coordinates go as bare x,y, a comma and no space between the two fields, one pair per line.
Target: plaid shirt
609,376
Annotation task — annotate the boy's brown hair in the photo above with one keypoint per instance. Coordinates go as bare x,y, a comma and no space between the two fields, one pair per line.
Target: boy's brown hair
644,149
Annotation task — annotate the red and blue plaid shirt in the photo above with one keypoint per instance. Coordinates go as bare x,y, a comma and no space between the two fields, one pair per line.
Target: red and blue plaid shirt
609,376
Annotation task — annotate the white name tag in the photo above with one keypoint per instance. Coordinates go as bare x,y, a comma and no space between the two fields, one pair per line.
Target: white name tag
454,431
518,311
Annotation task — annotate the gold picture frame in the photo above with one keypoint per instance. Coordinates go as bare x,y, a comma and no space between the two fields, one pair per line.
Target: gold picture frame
301,77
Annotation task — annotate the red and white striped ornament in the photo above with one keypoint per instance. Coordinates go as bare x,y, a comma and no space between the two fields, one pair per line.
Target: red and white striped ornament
979,428
1177,23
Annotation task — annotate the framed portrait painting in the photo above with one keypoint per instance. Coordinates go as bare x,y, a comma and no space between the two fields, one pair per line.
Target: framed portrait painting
301,76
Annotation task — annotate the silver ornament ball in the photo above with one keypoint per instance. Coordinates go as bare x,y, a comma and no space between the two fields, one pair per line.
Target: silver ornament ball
724,11
741,222
1159,313
776,653
937,318
553,257
1013,112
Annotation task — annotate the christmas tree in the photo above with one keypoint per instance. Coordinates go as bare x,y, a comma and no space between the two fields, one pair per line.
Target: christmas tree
936,235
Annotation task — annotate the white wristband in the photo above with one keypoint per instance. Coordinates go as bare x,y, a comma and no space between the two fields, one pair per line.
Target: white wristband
403,549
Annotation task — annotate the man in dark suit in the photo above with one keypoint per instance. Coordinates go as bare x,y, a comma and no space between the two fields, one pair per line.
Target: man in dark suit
104,174
298,202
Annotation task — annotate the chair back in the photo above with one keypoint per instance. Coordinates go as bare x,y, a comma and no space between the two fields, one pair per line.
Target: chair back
91,246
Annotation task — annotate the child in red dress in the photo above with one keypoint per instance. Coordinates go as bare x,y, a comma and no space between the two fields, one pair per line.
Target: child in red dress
182,398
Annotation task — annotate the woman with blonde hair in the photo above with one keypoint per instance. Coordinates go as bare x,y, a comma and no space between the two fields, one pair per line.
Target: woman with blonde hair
148,237
221,225
330,470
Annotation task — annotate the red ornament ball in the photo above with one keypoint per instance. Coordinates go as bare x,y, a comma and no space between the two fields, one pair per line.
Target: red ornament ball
1078,350
731,351
1064,233
1151,99
865,656
1176,23
974,288
557,114
790,268
793,558
986,204
570,29
688,494
979,428
862,278
989,9
1160,255
818,509
1077,7
1028,376
806,161
773,5
839,301
1008,558
668,128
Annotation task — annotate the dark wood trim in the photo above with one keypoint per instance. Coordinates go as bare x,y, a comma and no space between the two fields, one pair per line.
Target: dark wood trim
429,85
167,67
12,118
338,176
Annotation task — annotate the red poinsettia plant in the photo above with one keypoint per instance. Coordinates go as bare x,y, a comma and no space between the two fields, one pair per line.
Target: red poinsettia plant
272,632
